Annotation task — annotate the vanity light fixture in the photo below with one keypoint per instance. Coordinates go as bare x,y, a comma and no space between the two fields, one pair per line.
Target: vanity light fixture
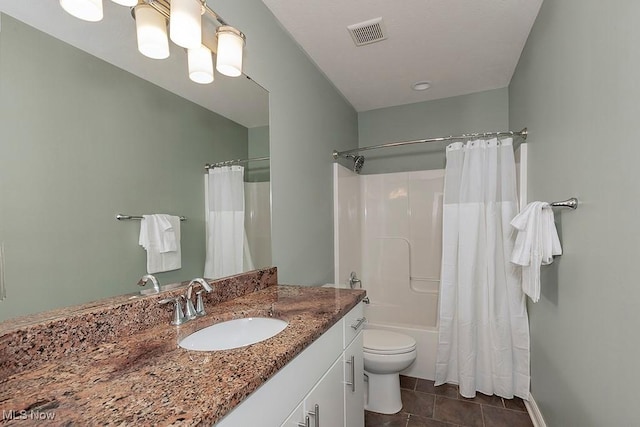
185,30
130,3
151,30
87,10
230,49
185,26
200,64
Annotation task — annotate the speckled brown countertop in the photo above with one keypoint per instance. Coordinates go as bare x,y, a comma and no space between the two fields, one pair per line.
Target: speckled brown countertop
146,379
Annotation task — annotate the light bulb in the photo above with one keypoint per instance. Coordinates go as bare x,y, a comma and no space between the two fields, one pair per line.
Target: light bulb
185,26
230,50
130,3
87,10
151,29
200,65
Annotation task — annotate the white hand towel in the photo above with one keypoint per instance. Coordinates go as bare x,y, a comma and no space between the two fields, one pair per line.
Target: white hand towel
536,244
160,236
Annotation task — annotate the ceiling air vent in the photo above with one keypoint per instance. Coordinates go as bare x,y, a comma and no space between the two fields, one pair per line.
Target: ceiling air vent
367,32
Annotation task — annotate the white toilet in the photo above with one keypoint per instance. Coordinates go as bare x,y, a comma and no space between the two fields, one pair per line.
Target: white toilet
386,353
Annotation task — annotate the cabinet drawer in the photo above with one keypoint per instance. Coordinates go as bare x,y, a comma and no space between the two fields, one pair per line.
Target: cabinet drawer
353,323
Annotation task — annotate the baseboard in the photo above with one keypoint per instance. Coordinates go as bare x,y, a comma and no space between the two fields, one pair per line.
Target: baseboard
534,412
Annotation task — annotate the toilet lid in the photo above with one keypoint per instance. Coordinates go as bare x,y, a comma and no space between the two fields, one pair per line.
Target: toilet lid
387,342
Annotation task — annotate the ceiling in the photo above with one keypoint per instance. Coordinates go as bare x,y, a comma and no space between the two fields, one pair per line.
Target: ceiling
114,40
459,46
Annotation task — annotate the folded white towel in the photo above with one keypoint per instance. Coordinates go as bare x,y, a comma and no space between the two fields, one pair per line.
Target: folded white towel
160,236
536,244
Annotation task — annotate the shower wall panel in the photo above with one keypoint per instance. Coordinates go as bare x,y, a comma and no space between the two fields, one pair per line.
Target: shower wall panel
347,227
401,245
257,221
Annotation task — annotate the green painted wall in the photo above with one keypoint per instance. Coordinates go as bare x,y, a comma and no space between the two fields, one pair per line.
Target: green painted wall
80,141
477,112
577,89
308,120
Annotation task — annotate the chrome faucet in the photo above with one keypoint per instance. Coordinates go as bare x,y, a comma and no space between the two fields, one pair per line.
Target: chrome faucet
190,311
144,279
353,279
178,315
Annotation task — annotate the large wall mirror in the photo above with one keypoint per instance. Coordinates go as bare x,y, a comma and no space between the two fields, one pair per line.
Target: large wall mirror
89,128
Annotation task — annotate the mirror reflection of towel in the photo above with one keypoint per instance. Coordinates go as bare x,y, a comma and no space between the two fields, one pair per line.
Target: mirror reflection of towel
160,236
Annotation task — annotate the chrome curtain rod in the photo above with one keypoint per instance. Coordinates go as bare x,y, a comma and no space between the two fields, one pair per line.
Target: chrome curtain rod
121,217
523,133
234,162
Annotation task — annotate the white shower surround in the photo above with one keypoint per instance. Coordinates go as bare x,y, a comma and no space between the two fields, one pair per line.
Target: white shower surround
390,208
388,230
257,221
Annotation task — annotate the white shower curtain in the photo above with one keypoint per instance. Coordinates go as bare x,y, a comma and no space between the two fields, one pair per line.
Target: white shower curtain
227,249
483,342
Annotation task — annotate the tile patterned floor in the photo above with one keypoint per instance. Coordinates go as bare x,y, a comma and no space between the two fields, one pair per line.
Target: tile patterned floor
442,406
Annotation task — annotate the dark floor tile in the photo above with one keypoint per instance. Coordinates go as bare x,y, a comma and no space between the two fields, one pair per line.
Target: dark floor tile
416,421
417,403
426,386
373,419
459,412
484,399
408,382
516,404
496,417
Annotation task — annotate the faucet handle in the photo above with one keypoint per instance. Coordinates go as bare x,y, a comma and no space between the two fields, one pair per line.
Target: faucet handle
200,304
189,309
178,314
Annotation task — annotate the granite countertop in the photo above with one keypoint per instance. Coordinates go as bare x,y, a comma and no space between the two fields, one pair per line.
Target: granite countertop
146,379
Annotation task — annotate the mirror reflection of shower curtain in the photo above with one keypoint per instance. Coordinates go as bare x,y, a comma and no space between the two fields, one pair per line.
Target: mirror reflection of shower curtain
483,342
227,249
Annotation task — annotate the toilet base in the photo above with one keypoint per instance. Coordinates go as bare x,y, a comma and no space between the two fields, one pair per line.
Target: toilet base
383,393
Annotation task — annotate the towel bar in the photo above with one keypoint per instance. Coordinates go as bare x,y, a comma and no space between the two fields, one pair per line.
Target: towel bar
571,203
121,217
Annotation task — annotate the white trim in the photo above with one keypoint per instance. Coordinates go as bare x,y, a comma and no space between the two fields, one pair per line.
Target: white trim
534,412
336,226
521,155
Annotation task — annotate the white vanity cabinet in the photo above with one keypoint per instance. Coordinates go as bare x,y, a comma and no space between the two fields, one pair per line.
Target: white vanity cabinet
354,383
321,375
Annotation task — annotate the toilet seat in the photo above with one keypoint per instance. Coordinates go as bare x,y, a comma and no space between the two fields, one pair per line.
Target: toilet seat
378,341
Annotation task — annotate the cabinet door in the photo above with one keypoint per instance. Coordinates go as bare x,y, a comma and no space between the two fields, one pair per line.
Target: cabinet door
354,383
296,419
325,403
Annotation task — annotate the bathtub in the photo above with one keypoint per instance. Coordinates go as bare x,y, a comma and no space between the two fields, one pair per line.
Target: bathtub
390,317
426,338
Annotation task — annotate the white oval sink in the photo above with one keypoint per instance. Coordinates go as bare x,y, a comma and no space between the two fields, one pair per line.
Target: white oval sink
233,334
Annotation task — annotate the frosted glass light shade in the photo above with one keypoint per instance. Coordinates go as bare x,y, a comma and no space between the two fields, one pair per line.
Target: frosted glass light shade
230,50
87,10
200,65
129,3
151,29
185,27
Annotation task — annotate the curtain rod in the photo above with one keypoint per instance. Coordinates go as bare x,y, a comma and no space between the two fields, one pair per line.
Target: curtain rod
523,133
234,162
